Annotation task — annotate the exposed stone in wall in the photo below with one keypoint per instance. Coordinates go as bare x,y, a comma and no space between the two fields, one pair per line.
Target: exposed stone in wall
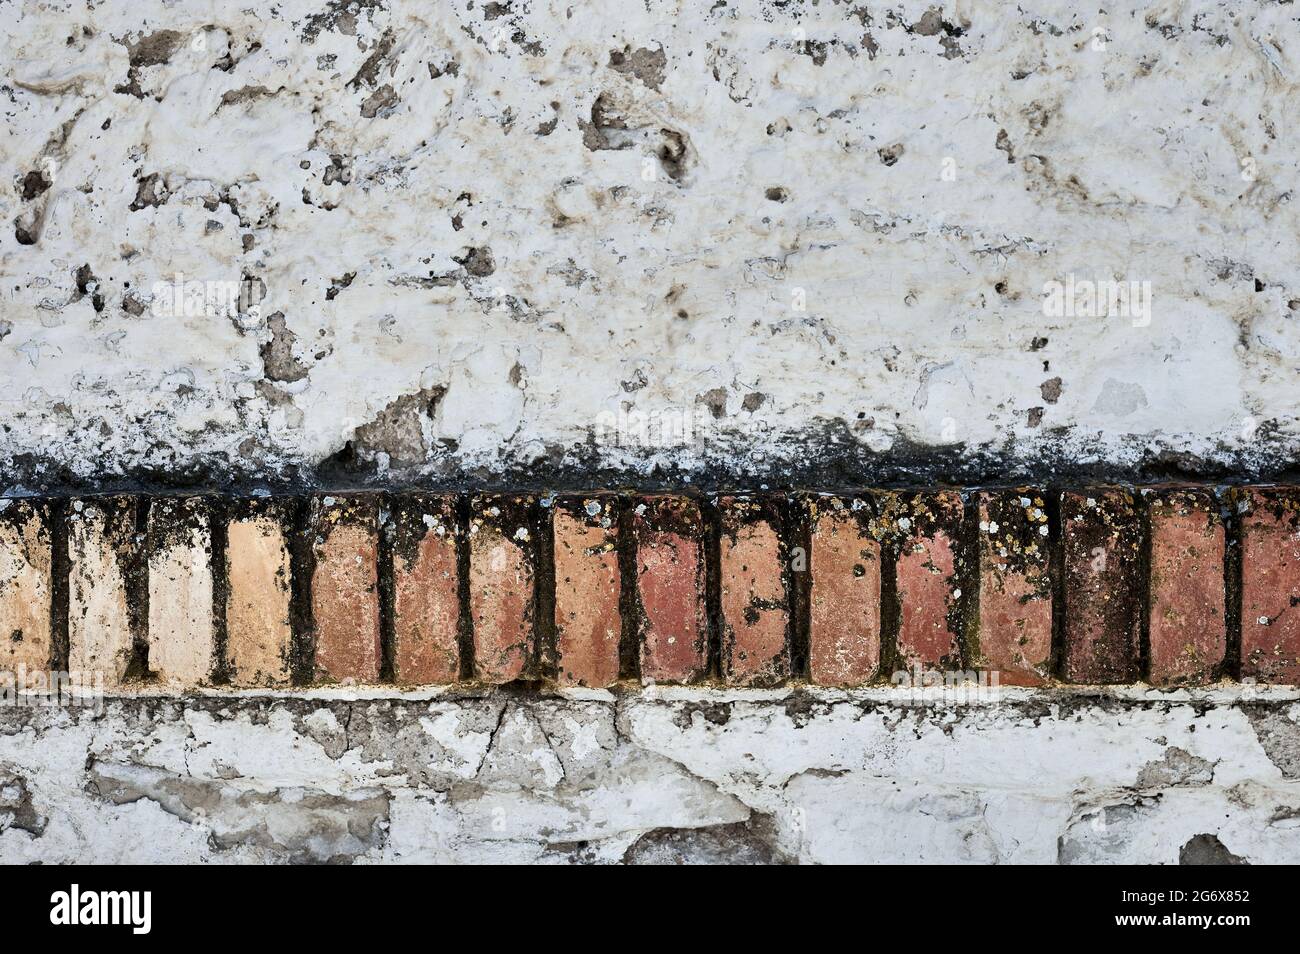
687,776
461,239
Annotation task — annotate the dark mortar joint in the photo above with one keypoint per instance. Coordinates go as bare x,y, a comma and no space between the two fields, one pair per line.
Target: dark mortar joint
132,553
385,552
465,621
797,541
1232,578
300,536
629,593
1056,576
220,543
827,455
711,517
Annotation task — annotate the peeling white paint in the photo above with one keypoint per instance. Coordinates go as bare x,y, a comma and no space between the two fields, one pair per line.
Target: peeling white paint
1051,777
865,306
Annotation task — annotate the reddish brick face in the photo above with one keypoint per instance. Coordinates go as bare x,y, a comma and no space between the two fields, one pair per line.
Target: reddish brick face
588,626
26,562
844,605
502,558
426,590
755,604
670,578
1015,599
113,628
1270,592
1188,631
259,634
1102,540
345,589
927,526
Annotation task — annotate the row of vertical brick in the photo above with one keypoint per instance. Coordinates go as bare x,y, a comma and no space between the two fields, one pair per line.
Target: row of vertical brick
1174,586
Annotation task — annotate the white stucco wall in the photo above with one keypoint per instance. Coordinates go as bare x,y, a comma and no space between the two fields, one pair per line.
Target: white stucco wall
929,172
673,776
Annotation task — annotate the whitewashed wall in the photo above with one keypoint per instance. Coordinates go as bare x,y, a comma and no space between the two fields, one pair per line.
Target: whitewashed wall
684,776
489,236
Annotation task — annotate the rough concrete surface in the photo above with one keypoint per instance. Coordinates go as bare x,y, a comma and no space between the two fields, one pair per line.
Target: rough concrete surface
482,238
680,776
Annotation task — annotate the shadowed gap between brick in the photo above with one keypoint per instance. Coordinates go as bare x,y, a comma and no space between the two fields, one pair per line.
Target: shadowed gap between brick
60,571
629,594
465,622
891,606
968,579
384,572
798,539
1143,512
545,662
1056,558
134,564
219,541
302,564
711,516
1233,583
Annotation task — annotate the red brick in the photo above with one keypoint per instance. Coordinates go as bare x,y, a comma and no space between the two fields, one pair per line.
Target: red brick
1189,636
259,630
502,558
1270,585
755,603
1101,536
927,526
426,590
588,625
345,589
26,563
670,579
1015,598
844,606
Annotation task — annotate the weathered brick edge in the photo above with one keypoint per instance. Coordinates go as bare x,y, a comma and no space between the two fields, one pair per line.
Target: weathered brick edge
1169,585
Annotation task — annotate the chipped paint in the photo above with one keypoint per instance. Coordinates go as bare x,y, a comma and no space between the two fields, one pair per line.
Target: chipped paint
810,239
1130,777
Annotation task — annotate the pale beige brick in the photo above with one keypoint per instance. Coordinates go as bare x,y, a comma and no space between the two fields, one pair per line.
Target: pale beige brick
101,546
181,626
258,618
25,580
